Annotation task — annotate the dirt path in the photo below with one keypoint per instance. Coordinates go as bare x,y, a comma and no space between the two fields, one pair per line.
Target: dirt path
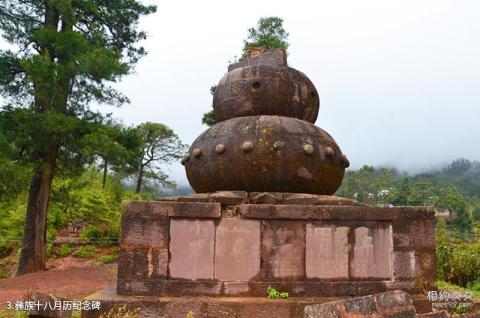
72,283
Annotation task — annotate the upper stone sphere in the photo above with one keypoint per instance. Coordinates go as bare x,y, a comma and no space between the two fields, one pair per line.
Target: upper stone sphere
263,84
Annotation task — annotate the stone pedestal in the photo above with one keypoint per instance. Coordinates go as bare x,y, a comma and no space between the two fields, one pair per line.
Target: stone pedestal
240,244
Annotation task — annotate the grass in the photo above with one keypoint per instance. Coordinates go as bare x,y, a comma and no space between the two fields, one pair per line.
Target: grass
12,314
85,252
442,285
107,259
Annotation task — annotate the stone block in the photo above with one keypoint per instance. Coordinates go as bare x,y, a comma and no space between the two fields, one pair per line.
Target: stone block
270,57
191,249
265,197
387,301
406,285
237,249
145,231
136,207
230,197
425,269
162,208
190,288
187,209
356,288
236,288
283,250
401,240
326,251
422,233
390,304
319,212
371,252
142,263
403,265
137,287
316,199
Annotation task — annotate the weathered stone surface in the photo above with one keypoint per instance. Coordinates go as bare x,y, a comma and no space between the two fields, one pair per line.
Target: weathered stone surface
407,286
283,249
401,240
326,251
424,262
187,209
271,57
236,288
190,288
324,212
422,233
317,199
390,304
230,211
356,288
143,263
265,197
136,207
144,231
403,265
371,252
230,197
237,249
138,287
191,249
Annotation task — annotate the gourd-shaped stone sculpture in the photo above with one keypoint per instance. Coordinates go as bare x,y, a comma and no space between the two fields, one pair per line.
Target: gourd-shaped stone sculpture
265,139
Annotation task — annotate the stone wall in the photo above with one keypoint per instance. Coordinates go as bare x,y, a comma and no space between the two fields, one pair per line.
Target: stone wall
239,244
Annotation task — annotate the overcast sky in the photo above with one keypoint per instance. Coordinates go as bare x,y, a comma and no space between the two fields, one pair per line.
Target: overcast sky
399,81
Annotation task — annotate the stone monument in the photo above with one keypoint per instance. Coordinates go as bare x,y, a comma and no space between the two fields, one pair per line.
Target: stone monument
264,215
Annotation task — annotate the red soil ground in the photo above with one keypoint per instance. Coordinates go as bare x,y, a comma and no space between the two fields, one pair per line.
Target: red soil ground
63,281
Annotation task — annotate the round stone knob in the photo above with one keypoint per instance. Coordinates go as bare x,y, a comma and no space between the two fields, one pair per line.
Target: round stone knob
196,153
329,152
307,149
247,146
220,148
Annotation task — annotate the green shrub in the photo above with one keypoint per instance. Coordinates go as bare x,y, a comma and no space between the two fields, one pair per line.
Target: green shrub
474,286
105,236
85,252
107,259
274,294
465,264
3,273
457,262
64,250
49,250
91,233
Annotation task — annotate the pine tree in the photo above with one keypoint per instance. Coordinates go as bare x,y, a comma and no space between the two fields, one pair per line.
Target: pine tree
66,52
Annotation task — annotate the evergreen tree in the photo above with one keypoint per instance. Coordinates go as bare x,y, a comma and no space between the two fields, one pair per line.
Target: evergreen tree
66,53
158,145
269,34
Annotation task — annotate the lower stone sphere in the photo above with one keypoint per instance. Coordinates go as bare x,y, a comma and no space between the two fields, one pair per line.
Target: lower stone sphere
265,90
266,153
